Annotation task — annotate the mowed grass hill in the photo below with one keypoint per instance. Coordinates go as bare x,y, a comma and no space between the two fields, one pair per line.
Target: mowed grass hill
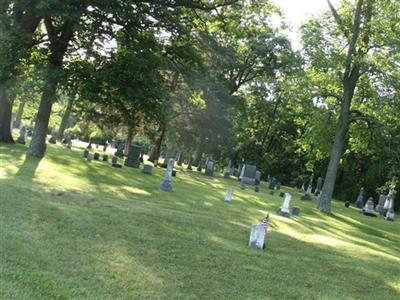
72,229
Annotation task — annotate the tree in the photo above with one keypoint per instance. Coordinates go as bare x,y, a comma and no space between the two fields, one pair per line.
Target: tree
346,71
18,22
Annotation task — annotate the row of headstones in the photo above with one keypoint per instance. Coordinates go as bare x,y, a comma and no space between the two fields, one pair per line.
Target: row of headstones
385,206
308,192
25,132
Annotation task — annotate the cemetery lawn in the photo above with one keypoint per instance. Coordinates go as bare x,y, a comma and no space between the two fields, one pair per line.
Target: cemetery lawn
70,229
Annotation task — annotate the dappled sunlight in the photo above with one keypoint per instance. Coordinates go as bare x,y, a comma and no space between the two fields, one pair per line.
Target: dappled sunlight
336,242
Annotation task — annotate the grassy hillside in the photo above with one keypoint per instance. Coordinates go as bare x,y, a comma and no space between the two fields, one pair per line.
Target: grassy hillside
74,229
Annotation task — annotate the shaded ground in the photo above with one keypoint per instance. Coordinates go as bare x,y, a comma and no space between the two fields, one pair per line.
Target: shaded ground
73,229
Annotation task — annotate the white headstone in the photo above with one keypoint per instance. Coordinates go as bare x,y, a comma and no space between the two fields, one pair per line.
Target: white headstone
228,194
257,236
286,202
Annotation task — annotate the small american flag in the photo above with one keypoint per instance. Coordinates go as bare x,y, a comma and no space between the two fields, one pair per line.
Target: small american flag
265,222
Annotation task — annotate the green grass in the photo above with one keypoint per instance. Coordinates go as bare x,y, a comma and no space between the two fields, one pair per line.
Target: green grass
71,229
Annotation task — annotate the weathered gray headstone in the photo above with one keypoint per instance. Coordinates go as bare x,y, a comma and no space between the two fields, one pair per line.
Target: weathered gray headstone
85,153
389,201
228,194
53,138
257,236
147,169
389,215
257,181
96,156
360,199
166,185
227,171
319,186
133,156
381,202
209,168
295,211
105,157
307,195
22,136
114,160
368,209
120,149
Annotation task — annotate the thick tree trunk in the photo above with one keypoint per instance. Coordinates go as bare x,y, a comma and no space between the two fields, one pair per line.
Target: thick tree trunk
65,119
198,154
38,144
58,46
5,116
349,85
20,112
155,150
128,141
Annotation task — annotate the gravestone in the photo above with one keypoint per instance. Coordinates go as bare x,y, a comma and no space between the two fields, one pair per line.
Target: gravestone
239,171
257,181
319,186
273,183
85,153
209,168
114,160
69,144
166,184
199,168
360,199
307,194
295,211
105,157
347,204
148,169
228,195
284,210
248,174
257,236
381,202
189,167
89,157
30,132
368,209
22,136
278,185
389,201
53,138
96,156
227,171
173,173
133,156
389,215
120,149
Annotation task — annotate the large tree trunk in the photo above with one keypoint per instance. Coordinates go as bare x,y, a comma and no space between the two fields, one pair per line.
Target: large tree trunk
349,82
155,150
199,153
65,119
5,116
18,35
38,144
20,112
128,140
58,47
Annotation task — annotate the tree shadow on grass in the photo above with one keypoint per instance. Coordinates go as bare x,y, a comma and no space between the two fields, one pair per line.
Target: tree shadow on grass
28,168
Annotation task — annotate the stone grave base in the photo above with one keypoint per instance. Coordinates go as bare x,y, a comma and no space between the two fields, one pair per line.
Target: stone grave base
369,213
283,213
